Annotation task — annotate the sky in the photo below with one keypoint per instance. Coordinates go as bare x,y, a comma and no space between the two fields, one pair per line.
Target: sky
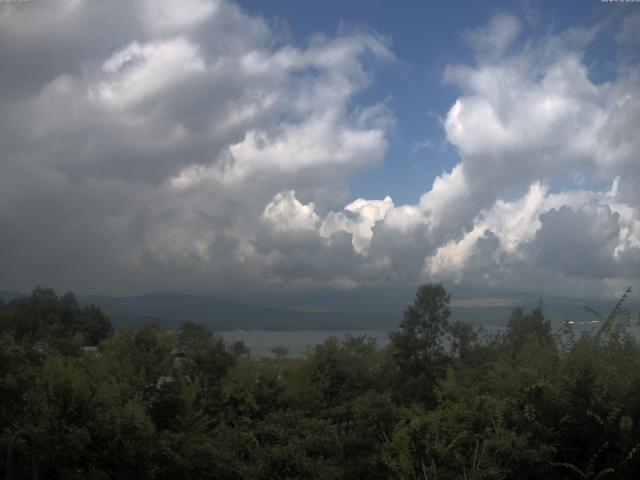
312,148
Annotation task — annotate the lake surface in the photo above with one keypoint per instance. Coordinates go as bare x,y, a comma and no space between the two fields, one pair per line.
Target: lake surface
261,342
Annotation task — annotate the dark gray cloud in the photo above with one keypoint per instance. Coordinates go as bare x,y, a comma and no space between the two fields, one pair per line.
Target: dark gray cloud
579,243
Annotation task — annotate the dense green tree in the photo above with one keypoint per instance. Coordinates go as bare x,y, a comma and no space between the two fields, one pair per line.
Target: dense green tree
205,353
526,326
93,324
419,350
58,321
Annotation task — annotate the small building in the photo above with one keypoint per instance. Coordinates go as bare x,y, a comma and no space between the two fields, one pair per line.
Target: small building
164,380
177,352
89,351
43,347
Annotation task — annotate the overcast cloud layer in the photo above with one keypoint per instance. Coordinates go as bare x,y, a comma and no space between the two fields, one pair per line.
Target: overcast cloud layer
189,146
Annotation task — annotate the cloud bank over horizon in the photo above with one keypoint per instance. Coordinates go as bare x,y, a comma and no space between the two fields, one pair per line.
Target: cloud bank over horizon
192,146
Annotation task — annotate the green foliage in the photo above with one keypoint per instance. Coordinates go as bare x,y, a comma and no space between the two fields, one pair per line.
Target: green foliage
523,327
426,342
436,403
57,321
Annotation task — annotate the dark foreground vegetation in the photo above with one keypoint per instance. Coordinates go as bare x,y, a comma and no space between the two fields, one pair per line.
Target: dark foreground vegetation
437,403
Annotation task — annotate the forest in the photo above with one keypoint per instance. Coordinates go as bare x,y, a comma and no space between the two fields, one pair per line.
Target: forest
441,401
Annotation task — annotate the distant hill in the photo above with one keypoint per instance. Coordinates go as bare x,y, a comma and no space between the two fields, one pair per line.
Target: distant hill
346,311
171,309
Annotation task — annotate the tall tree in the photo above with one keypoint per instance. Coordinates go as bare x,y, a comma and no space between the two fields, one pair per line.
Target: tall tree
528,326
419,352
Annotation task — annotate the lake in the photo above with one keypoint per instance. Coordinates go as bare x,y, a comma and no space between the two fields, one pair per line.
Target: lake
260,342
